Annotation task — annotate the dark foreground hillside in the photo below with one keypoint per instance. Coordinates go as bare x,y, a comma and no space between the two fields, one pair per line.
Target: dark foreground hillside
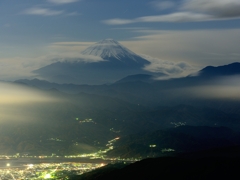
174,140
217,163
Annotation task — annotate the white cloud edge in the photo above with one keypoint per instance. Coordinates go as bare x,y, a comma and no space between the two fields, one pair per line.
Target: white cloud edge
172,69
42,11
39,11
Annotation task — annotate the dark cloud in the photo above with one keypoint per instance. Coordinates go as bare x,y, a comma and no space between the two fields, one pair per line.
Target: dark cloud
217,8
189,11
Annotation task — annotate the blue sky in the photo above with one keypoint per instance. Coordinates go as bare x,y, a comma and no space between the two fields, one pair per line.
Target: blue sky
195,32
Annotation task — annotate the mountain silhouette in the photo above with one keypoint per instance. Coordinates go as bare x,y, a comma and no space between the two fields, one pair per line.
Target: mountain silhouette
115,62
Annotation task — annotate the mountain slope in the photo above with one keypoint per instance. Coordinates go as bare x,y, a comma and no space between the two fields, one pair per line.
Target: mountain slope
138,77
207,168
174,140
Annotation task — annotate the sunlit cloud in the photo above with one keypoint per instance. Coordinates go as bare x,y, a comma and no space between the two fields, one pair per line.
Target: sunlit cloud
62,1
189,11
42,12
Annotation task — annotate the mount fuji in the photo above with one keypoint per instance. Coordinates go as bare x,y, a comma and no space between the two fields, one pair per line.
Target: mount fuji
115,53
115,62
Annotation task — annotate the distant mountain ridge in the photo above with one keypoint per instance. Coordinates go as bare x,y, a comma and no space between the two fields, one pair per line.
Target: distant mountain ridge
139,77
140,89
225,70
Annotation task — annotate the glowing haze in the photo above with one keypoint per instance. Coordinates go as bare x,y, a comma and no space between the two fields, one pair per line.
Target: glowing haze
17,102
16,94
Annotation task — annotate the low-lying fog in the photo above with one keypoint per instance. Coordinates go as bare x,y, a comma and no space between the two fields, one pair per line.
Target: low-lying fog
17,101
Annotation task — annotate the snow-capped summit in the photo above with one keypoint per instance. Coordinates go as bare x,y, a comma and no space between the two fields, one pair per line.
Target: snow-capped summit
110,49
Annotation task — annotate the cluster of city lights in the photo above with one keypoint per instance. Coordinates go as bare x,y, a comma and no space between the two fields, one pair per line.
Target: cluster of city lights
47,170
